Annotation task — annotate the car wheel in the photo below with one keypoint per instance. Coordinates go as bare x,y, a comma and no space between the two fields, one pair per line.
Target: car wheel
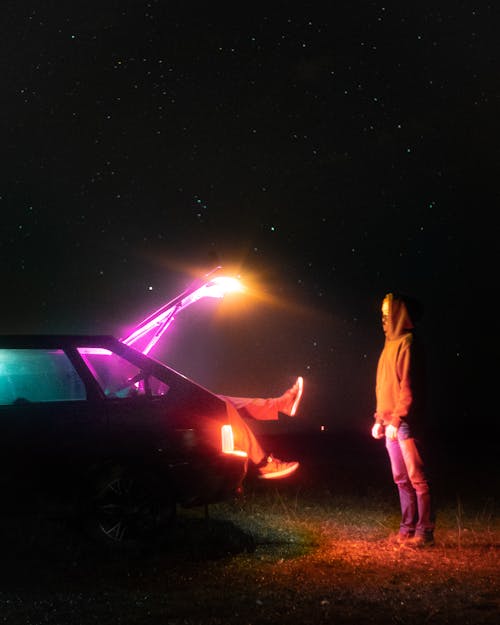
128,508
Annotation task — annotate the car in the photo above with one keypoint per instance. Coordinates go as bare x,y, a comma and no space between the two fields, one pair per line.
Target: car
95,429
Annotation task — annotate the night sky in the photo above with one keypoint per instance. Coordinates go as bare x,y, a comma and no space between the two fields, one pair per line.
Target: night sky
327,157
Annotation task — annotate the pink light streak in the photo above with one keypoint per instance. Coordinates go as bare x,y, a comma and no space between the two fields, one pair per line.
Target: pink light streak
159,321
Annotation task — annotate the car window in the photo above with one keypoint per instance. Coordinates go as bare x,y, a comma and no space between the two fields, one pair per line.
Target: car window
38,375
118,377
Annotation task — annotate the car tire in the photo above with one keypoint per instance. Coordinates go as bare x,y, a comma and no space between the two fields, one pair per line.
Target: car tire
129,509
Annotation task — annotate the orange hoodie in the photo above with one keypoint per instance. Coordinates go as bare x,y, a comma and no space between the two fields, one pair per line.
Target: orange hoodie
393,386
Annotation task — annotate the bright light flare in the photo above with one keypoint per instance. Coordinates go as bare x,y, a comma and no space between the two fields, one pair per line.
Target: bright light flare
228,285
217,287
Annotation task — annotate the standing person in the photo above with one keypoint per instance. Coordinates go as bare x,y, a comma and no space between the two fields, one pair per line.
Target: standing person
399,396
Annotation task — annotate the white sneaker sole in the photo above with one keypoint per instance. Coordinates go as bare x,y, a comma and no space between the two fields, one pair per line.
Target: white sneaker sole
276,475
300,382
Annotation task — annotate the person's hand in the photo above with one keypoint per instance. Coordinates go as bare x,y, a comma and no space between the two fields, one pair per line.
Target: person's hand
378,430
391,432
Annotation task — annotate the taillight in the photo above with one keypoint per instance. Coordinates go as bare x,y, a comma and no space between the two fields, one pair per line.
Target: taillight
227,442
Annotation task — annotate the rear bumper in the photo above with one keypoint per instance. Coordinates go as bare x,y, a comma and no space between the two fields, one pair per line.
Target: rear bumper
208,480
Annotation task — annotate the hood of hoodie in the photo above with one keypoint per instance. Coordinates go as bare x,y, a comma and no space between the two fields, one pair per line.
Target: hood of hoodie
398,317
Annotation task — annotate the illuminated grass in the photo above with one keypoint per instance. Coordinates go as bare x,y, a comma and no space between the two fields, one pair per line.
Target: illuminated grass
280,554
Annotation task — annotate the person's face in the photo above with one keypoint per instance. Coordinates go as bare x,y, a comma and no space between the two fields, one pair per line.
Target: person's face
385,315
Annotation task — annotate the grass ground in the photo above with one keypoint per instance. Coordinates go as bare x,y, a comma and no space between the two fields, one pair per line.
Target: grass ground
287,552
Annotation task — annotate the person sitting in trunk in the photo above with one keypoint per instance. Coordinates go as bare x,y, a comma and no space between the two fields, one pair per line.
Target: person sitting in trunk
264,409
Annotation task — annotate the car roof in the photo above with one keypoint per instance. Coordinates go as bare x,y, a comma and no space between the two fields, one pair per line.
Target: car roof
106,341
56,340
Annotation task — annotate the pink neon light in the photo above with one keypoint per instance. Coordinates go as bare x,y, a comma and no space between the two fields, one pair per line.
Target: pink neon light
94,350
159,321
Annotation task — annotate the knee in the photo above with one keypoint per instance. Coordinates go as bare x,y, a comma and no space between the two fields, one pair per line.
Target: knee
421,486
401,479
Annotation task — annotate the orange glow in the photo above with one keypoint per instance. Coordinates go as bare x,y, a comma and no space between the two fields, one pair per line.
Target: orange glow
264,292
227,439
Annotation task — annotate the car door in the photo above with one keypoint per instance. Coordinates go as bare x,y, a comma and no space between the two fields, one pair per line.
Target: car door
49,430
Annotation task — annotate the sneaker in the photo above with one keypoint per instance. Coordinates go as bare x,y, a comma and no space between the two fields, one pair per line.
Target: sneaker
274,469
291,398
420,542
400,538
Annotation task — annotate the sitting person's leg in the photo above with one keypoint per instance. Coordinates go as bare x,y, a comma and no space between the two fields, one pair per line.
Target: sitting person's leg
268,409
263,409
244,438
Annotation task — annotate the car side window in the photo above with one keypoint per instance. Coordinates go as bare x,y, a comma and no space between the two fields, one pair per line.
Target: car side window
118,377
38,375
